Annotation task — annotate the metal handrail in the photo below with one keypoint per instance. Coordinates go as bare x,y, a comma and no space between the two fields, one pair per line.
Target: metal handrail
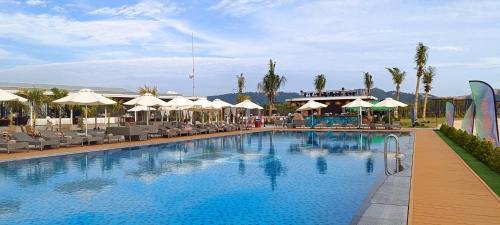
398,151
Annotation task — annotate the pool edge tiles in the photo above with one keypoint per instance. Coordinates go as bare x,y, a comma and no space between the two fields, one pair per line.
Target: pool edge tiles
389,204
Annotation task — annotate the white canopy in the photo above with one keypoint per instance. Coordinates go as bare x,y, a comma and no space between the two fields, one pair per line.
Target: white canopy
219,104
146,100
202,103
311,105
358,103
179,103
139,108
6,96
247,104
390,103
85,97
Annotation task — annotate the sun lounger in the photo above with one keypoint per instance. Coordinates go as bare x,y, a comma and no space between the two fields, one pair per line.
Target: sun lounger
351,126
364,126
129,132
320,125
35,142
64,140
299,123
107,137
9,145
88,138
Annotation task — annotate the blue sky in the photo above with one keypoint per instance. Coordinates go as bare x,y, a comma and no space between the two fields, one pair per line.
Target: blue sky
130,43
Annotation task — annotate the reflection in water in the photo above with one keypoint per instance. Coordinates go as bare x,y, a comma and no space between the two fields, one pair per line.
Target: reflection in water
241,167
272,164
321,165
9,207
369,165
86,189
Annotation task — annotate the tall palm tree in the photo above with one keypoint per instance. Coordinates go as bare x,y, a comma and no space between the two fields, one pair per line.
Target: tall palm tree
36,99
428,77
241,85
270,84
57,94
368,80
397,77
147,89
319,85
420,60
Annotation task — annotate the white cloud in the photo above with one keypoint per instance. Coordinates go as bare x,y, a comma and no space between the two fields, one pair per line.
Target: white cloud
36,2
244,7
147,8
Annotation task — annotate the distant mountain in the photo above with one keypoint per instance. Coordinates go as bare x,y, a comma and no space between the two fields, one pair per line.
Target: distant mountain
403,96
261,99
256,97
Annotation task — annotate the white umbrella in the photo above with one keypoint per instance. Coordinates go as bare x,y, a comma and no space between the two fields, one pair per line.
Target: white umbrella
312,105
146,100
390,103
179,103
140,108
219,104
358,104
247,104
6,96
202,104
85,97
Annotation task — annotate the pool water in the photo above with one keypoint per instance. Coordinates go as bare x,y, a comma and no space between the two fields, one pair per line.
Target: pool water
258,178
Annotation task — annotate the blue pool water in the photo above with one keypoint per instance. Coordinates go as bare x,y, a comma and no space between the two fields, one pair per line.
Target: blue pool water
259,178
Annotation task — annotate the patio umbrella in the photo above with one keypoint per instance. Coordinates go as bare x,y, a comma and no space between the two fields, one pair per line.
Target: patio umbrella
247,104
179,103
140,108
219,104
6,96
85,97
146,100
390,103
312,105
202,104
358,104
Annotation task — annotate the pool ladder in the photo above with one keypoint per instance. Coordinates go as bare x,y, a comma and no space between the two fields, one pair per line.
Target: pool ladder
397,155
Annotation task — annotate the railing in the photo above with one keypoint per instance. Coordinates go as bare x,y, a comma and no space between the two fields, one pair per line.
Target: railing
397,154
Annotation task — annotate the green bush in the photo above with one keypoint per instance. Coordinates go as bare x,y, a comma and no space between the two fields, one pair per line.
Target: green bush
482,149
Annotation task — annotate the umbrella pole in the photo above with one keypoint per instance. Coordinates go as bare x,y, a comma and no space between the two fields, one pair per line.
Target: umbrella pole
106,116
147,117
360,118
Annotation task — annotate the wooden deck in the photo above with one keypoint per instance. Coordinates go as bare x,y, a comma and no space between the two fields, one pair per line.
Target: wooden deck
445,190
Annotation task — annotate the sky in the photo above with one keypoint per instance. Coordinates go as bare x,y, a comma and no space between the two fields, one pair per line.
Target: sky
109,43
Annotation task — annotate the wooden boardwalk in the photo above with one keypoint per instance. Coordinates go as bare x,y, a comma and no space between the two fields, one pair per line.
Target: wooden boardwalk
444,190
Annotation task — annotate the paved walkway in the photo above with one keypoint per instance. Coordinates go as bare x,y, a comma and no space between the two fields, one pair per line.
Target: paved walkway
445,190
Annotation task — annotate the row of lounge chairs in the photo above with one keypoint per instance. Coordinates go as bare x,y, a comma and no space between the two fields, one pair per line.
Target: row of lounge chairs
33,139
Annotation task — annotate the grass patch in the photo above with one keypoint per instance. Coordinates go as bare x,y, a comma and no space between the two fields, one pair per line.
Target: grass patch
490,177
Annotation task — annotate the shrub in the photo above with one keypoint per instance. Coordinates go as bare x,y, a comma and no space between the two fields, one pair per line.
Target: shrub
482,149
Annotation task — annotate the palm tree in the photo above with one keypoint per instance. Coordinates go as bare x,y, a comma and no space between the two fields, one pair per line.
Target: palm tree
368,83
241,85
397,77
116,108
36,99
270,84
420,60
57,94
319,84
147,89
429,75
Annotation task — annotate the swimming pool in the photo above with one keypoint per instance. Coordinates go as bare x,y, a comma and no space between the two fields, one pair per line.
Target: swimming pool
259,178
